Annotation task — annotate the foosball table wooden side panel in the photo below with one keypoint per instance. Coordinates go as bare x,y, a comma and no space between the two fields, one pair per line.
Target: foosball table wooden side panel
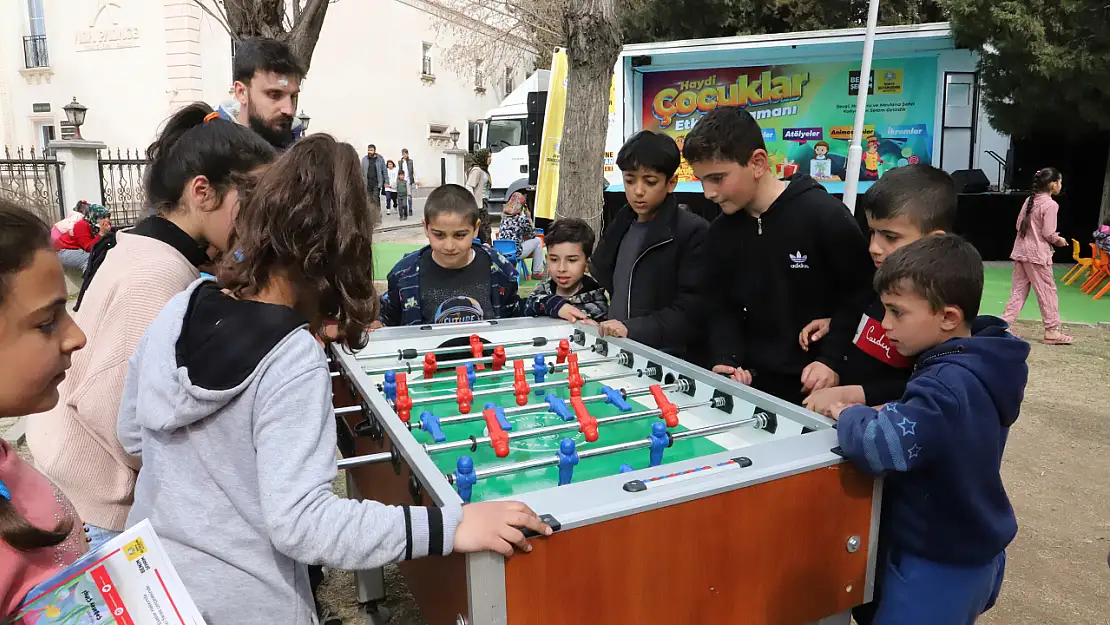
771,554
438,585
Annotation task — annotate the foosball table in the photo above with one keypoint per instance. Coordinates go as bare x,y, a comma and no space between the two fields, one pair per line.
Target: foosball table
678,496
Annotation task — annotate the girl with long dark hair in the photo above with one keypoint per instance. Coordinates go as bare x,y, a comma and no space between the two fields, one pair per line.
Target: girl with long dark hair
199,164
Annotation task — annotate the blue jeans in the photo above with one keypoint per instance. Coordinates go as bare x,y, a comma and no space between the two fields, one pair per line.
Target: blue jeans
914,591
97,536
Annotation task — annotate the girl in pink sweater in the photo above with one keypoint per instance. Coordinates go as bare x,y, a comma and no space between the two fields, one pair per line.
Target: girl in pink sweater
38,526
1032,256
198,165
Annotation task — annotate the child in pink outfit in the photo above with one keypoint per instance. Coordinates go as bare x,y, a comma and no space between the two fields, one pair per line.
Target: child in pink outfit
1032,256
40,533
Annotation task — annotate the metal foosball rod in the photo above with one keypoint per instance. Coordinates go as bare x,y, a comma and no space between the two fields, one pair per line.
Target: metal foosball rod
572,426
359,461
412,354
407,367
545,407
429,399
552,368
709,430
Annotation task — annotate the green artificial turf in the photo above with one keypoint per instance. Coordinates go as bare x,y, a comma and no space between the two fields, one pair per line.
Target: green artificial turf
1075,306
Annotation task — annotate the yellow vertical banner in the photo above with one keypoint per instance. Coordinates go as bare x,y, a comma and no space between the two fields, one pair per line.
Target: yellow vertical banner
547,184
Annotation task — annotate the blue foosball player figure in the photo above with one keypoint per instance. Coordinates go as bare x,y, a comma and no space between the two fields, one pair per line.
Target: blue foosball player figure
465,478
568,458
390,386
539,371
659,441
626,468
471,375
614,397
558,406
430,424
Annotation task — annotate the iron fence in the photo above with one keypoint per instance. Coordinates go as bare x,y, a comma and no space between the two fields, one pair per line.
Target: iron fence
35,53
33,180
121,185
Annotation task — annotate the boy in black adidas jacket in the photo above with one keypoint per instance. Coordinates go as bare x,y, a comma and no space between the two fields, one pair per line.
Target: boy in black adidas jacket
906,204
650,257
784,253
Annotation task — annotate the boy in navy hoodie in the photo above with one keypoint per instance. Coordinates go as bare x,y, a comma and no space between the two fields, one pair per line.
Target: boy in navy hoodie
906,204
946,517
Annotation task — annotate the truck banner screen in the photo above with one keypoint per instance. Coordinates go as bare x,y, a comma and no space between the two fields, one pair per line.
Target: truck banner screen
806,112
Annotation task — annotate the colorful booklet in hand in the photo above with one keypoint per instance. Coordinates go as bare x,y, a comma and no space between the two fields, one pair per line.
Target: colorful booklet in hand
127,581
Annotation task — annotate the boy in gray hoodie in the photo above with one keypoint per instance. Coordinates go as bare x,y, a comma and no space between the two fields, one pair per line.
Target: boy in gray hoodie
228,402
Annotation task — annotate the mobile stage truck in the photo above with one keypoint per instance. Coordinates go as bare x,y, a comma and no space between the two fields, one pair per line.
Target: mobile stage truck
922,106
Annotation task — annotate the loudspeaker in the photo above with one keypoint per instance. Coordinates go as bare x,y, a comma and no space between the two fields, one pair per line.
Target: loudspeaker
537,108
971,181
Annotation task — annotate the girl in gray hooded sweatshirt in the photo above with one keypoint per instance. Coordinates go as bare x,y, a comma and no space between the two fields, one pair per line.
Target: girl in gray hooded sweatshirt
228,403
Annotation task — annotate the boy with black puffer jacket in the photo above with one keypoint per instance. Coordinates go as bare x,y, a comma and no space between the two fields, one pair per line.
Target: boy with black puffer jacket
650,256
946,518
906,204
784,253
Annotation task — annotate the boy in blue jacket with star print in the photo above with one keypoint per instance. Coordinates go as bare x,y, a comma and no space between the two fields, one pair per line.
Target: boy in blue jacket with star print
946,517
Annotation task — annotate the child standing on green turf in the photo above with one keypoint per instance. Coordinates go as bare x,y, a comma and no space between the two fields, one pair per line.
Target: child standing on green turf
650,256
946,517
453,279
906,204
1032,256
569,294
784,253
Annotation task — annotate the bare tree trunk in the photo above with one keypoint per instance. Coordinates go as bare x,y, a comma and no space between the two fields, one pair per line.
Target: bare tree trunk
594,41
266,18
1104,211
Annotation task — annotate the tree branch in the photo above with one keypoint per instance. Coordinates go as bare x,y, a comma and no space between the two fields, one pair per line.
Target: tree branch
221,19
310,12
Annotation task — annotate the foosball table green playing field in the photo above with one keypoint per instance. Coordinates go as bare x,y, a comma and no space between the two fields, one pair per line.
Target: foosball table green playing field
640,461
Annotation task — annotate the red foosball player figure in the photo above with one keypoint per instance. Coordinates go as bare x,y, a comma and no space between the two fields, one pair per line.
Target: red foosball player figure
563,351
403,403
477,350
499,357
462,392
586,423
430,366
574,378
669,410
498,437
520,383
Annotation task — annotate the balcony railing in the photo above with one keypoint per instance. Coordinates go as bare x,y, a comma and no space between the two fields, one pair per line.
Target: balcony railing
34,52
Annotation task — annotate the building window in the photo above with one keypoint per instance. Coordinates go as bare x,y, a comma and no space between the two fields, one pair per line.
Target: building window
509,83
426,60
35,53
478,77
37,17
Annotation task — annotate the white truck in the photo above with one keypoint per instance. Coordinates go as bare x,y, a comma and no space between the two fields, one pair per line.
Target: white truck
505,134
